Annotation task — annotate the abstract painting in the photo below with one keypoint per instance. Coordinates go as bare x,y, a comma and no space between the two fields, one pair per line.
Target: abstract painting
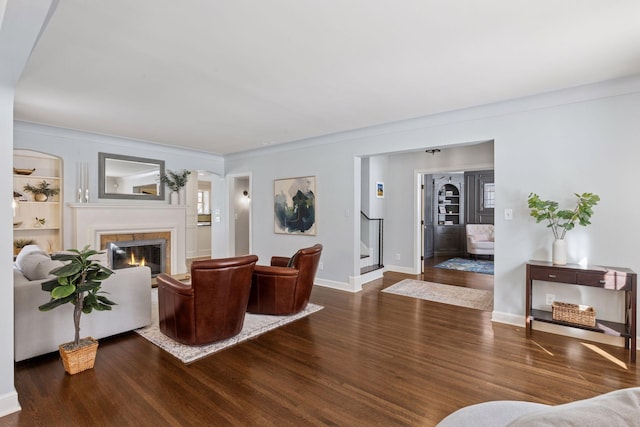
295,205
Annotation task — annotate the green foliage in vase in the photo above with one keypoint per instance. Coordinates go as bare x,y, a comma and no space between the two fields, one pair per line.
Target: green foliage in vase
175,180
78,282
42,188
547,210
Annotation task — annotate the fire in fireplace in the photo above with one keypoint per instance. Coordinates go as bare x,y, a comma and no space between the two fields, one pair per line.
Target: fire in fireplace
133,253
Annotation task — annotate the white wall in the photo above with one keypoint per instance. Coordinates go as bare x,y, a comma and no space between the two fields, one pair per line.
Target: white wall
20,24
74,146
584,139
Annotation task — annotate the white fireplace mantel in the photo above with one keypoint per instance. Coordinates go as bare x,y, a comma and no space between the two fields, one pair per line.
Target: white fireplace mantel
91,220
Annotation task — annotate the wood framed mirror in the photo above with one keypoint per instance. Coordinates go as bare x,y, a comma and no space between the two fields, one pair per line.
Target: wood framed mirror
128,177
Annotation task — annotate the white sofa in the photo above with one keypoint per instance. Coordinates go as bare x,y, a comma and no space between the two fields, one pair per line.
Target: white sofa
37,332
620,408
480,239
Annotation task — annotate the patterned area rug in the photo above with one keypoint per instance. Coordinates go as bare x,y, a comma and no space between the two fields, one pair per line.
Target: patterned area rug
454,295
254,325
462,264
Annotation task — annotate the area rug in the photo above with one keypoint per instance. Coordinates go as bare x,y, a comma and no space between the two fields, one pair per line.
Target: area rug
462,264
254,325
454,295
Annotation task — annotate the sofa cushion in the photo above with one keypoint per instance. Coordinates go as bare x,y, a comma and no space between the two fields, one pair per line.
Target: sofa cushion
26,251
490,414
34,263
617,408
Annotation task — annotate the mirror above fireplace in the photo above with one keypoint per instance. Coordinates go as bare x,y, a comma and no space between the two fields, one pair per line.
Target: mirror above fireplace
128,177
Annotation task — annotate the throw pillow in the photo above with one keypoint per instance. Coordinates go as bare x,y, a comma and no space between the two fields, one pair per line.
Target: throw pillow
25,252
36,265
43,269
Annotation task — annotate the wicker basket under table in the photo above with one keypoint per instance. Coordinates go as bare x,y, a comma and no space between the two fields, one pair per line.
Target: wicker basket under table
573,313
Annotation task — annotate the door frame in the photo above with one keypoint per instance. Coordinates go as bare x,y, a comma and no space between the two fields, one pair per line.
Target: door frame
232,181
418,248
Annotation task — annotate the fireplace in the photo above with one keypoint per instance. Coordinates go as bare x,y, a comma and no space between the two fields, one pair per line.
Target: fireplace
133,253
98,224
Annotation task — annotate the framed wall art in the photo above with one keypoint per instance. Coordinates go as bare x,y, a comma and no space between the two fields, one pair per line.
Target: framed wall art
295,205
380,190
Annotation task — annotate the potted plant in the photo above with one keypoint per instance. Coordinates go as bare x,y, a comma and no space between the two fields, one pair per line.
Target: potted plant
42,191
561,221
78,282
175,181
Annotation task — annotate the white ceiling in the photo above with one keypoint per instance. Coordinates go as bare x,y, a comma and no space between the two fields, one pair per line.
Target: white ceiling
226,76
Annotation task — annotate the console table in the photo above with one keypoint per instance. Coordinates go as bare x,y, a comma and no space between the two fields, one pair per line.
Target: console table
611,278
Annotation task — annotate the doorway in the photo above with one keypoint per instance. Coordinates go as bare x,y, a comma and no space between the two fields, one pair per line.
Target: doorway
450,200
240,215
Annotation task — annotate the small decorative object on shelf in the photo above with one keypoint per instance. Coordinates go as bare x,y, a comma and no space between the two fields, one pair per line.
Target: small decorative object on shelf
18,171
40,222
82,178
547,210
78,282
42,191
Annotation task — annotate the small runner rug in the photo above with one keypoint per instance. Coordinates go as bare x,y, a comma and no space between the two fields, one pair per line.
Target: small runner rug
454,295
462,264
254,325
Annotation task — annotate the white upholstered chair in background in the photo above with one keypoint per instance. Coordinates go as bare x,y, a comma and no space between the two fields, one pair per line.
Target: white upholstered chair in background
480,240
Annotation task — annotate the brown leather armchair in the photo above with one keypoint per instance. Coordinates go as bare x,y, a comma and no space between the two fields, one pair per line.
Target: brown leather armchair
285,286
212,307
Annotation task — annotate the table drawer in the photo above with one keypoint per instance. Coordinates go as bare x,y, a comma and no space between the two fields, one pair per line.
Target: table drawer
609,280
553,275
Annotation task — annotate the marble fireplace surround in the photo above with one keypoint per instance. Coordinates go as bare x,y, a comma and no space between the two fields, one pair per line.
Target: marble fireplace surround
93,223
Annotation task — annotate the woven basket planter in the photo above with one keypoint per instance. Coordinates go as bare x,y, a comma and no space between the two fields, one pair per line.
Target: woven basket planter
573,313
81,358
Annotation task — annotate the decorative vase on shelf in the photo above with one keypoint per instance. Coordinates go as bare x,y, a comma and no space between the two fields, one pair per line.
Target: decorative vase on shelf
174,198
40,197
559,252
182,196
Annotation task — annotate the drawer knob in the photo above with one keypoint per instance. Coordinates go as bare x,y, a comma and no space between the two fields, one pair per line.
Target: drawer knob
552,276
602,281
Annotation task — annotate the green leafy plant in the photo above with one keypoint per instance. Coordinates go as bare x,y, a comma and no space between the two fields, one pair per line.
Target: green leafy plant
42,188
21,243
77,282
547,210
174,180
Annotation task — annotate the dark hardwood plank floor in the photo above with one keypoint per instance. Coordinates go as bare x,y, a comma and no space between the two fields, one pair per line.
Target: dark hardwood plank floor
366,359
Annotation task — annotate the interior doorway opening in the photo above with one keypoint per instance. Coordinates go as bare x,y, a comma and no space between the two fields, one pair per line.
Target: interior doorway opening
240,221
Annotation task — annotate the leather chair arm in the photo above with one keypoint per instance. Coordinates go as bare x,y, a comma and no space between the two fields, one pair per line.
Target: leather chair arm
280,261
267,270
174,285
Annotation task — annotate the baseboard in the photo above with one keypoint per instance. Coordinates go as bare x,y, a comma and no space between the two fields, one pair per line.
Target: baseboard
508,318
400,269
9,403
341,286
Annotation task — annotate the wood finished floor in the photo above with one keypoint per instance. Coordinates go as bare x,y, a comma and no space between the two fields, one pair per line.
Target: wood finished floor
366,359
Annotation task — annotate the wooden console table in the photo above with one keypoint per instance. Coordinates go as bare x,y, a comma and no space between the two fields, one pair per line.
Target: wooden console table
611,278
